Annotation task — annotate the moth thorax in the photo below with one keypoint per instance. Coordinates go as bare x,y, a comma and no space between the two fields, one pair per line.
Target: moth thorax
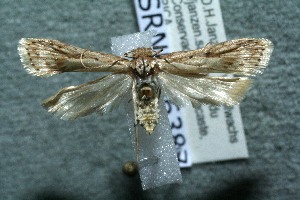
142,66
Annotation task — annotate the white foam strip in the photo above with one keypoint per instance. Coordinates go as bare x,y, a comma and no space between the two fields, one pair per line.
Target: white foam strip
158,162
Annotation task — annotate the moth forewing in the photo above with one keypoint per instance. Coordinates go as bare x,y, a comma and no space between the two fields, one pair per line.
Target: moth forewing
45,57
244,57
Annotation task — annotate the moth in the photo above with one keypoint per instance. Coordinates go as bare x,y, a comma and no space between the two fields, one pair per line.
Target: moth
184,76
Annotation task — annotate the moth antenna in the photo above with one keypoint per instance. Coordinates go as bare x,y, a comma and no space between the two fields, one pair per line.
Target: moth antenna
167,61
115,62
158,52
81,57
209,43
170,63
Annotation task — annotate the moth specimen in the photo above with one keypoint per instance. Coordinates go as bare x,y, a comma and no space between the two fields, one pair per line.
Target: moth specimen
184,76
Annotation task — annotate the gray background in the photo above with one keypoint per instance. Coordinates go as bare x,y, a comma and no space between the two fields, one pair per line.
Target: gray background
43,157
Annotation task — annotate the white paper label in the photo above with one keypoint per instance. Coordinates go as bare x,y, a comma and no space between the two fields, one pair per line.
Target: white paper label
210,133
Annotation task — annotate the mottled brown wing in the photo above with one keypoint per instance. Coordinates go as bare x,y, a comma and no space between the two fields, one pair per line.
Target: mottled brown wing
45,57
244,57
